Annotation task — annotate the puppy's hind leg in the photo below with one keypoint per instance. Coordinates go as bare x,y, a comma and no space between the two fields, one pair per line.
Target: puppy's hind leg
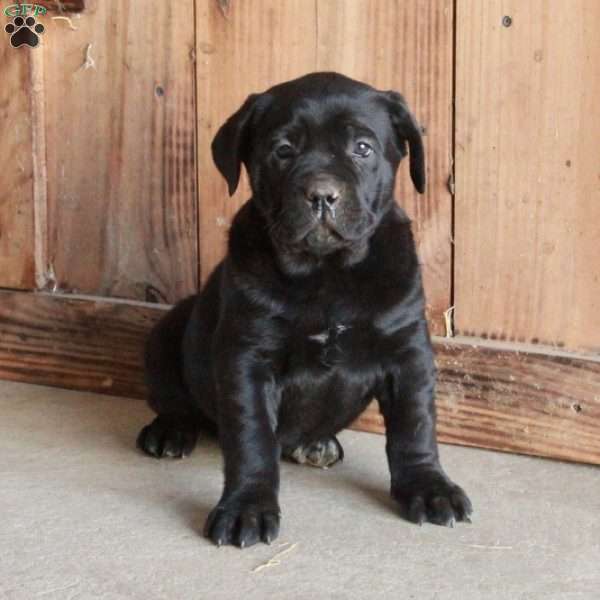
174,432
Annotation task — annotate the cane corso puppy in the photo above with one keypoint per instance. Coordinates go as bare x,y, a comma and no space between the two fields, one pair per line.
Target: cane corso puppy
317,308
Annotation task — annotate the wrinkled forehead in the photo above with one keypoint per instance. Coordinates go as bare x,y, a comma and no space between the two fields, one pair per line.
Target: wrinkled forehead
361,114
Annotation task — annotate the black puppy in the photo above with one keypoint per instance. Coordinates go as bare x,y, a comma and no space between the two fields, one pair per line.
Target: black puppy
317,308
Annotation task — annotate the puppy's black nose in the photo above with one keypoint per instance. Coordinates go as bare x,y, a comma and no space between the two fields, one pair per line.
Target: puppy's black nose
323,194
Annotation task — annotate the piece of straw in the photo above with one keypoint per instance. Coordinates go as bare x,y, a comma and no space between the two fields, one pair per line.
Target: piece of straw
448,322
274,562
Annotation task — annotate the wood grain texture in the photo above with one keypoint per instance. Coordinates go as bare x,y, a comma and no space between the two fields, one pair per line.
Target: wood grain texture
90,345
528,171
515,400
17,238
492,395
122,207
393,45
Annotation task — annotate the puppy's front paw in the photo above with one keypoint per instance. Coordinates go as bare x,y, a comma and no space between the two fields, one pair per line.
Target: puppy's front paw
428,495
242,524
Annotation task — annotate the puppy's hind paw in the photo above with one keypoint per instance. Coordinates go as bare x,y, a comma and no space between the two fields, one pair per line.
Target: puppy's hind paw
322,454
167,437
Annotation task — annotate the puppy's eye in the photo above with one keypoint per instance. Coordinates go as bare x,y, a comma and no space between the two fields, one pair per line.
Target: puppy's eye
284,151
362,149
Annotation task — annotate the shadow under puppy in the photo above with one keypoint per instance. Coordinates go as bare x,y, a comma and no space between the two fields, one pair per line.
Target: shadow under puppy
317,308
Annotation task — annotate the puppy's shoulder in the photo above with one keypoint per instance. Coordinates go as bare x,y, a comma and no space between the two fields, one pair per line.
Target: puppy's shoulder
247,231
250,249
250,270
392,247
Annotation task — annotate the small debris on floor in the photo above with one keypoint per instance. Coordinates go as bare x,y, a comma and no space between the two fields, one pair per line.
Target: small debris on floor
274,561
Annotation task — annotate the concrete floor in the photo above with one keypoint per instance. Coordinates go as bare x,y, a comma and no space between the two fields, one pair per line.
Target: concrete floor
84,515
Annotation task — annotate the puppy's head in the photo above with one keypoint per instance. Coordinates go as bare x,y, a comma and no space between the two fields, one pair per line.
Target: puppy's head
322,153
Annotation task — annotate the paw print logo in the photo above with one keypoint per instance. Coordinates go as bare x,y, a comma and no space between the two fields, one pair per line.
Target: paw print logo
24,31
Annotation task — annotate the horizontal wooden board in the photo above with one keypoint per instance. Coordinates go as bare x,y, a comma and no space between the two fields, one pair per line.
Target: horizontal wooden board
528,171
502,396
93,345
514,398
406,46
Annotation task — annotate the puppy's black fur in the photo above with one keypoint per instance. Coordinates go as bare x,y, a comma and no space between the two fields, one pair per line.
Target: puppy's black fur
317,308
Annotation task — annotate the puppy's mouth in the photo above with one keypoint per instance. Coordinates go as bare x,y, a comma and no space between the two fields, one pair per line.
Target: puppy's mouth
320,232
323,239
325,236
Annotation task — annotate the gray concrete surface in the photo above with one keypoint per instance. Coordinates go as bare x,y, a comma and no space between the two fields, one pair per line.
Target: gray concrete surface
84,515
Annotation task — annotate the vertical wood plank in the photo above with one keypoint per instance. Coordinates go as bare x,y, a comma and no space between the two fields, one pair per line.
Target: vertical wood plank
392,45
17,239
406,46
244,49
528,171
121,151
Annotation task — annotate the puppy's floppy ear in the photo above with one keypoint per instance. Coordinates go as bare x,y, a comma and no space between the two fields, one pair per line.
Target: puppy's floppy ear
408,130
231,145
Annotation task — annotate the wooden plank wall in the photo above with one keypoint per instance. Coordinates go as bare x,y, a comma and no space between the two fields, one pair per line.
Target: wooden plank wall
509,398
121,188
244,47
528,171
110,192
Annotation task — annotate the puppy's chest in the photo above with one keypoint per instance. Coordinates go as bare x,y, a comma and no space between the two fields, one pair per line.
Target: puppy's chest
326,346
335,327
332,341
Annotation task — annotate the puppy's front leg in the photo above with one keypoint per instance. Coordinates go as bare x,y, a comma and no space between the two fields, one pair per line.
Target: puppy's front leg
248,511
417,478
